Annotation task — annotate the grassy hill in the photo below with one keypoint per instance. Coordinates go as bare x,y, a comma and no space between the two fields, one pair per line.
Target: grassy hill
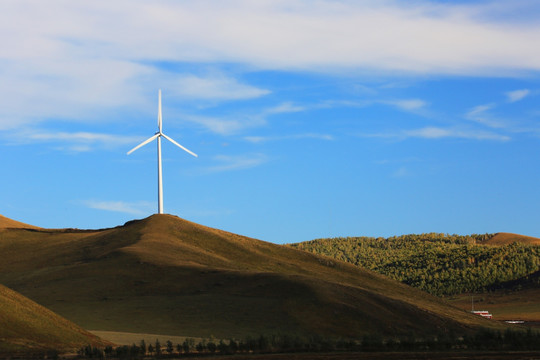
439,263
8,223
165,275
500,239
28,327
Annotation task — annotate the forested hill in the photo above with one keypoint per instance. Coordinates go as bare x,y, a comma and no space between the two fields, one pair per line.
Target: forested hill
440,264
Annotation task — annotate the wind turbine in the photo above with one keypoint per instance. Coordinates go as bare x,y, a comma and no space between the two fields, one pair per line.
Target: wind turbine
158,135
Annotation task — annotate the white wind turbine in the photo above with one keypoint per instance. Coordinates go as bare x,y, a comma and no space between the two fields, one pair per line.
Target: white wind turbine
158,136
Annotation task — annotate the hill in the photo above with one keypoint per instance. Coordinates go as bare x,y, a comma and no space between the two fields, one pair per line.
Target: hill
441,264
29,327
500,239
166,275
8,223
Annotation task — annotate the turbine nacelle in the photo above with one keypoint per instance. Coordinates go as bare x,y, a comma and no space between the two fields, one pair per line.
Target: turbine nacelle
158,135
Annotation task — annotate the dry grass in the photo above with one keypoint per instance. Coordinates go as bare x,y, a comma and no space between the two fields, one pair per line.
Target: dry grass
123,338
27,326
504,305
165,275
8,223
509,238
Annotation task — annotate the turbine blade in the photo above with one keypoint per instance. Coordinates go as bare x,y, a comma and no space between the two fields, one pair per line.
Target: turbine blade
143,143
159,119
180,146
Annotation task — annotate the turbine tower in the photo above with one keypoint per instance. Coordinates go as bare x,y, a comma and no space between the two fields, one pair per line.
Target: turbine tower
158,135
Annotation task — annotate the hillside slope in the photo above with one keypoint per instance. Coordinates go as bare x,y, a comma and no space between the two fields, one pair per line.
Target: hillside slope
9,223
441,264
29,327
166,275
500,239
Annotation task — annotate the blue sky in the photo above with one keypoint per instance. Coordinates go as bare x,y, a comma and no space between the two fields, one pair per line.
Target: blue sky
310,118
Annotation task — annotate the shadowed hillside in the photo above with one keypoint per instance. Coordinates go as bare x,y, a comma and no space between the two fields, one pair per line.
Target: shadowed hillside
166,275
29,327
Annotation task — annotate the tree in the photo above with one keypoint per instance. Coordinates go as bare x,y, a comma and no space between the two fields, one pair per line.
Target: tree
211,346
169,346
185,346
200,347
158,347
108,350
143,347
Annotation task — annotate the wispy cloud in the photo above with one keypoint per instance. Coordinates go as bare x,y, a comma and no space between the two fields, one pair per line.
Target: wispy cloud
401,172
84,56
260,139
410,105
277,34
234,123
407,104
80,141
517,95
285,107
481,114
438,133
216,87
236,162
133,208
431,132
227,125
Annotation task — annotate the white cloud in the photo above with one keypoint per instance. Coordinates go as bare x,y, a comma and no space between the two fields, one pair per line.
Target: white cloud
81,136
232,124
133,208
401,172
410,105
286,107
273,34
407,104
239,162
260,139
517,95
431,132
481,114
218,87
74,141
64,59
226,125
437,133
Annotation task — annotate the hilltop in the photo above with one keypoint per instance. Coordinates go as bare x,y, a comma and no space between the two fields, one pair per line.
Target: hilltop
29,327
166,275
503,238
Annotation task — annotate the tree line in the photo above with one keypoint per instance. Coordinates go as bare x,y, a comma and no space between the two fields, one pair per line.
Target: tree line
481,340
440,264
